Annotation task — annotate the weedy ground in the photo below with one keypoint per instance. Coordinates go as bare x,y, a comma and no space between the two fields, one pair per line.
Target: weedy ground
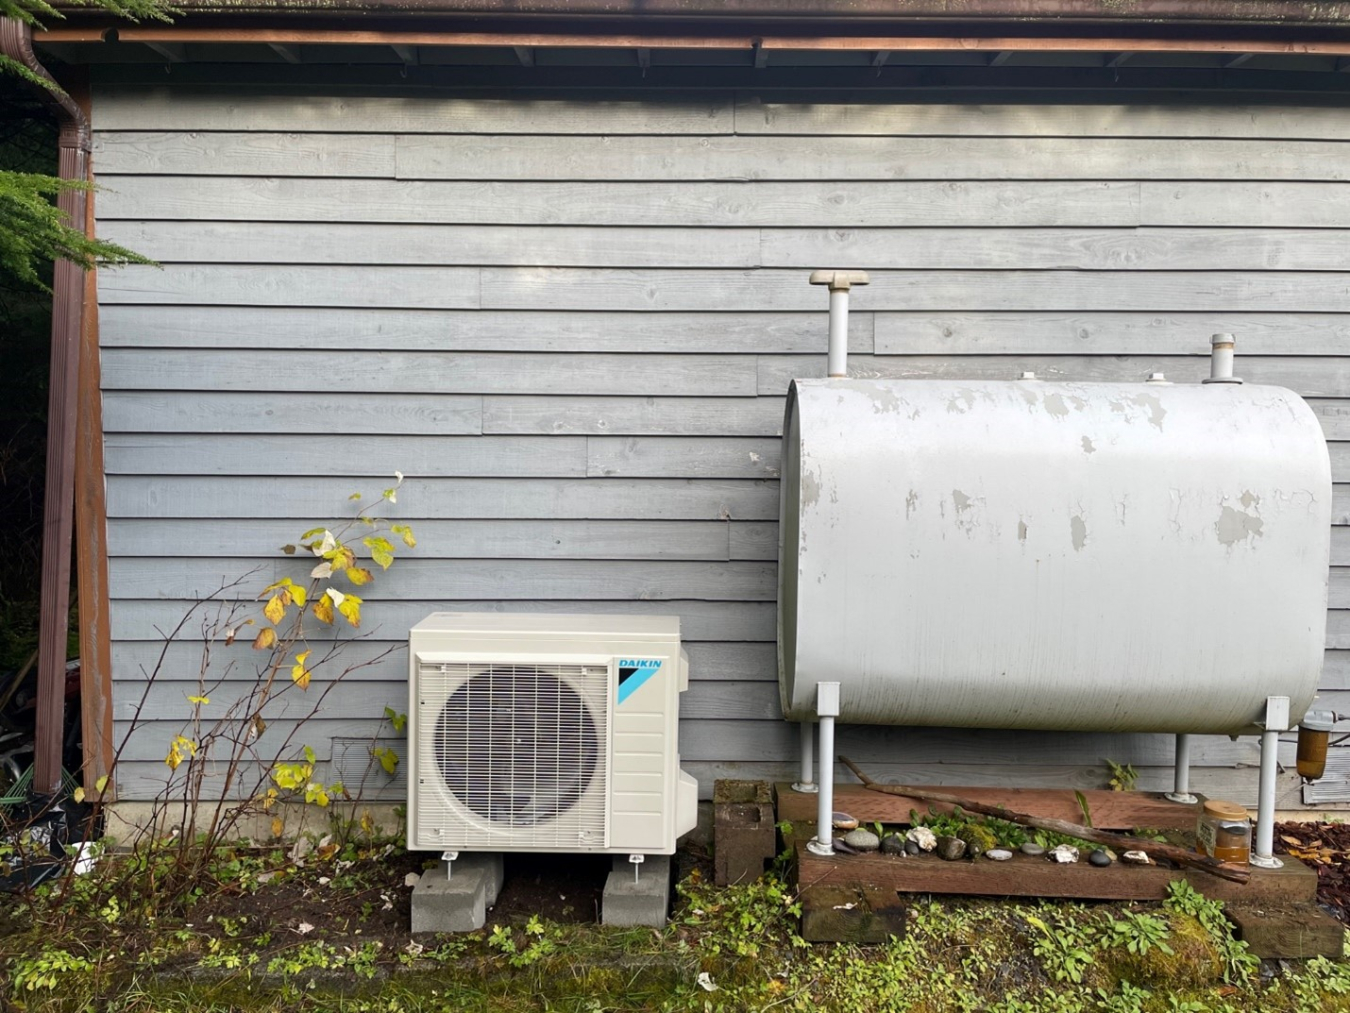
324,927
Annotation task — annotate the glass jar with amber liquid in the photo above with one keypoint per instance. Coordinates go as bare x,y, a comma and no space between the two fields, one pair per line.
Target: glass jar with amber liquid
1224,831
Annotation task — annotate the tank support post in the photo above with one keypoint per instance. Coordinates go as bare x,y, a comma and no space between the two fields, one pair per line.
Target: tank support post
827,708
1277,720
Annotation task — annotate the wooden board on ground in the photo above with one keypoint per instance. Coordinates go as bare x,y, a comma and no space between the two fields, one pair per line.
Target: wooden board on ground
1111,810
1027,876
1298,932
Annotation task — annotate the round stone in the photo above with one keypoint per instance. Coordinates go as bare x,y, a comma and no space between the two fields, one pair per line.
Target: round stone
1099,858
912,847
950,849
1031,848
894,844
1136,858
862,840
998,854
843,821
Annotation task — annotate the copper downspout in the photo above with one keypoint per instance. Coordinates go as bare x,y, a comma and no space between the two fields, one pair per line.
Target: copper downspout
59,506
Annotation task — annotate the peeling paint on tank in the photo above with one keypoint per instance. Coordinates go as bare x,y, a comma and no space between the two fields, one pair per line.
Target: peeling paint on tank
1029,396
962,402
1088,448
911,503
1234,526
1078,532
884,399
810,488
1249,499
1021,530
961,500
1156,412
1054,404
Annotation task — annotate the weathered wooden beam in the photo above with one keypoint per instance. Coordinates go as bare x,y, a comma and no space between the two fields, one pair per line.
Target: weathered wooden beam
1154,849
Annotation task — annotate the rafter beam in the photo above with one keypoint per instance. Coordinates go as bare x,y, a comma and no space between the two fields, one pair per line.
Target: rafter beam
761,54
174,52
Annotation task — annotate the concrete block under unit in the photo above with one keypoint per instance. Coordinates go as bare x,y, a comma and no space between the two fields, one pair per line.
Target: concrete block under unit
457,902
637,894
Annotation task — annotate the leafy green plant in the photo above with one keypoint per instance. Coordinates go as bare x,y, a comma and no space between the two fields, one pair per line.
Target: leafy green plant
1063,946
1123,777
1137,933
1239,963
1127,999
46,970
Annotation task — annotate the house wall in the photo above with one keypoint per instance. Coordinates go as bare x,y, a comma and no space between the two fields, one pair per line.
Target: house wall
571,324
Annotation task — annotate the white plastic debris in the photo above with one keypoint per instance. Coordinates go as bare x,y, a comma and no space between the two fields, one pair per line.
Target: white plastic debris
705,982
1064,854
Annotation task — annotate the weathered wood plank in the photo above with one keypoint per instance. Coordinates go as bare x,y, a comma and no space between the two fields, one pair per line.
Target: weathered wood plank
294,285
1334,415
1025,876
1036,120
305,499
637,416
1309,376
1338,628
1245,204
134,662
469,331
436,245
253,153
746,741
754,540
682,457
415,456
428,372
1129,333
355,697
121,107
1186,249
328,414
691,205
762,157
576,289
1110,810
438,539
534,579
148,620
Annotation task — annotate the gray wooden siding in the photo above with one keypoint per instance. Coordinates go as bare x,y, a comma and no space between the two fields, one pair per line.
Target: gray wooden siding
571,324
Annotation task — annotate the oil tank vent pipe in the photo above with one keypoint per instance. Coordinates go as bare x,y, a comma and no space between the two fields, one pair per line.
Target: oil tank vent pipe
839,283
1221,360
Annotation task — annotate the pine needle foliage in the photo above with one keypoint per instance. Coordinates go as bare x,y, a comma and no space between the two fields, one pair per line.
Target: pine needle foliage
32,230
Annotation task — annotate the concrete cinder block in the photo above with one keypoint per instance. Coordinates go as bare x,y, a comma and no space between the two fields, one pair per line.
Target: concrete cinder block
458,902
644,901
744,835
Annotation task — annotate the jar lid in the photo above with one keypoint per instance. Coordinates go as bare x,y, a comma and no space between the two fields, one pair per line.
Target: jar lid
1318,721
1225,810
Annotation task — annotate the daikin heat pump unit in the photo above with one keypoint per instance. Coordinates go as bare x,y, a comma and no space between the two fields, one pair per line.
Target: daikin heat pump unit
547,733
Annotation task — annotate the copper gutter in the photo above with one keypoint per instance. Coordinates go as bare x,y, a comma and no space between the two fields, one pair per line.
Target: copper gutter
359,37
59,506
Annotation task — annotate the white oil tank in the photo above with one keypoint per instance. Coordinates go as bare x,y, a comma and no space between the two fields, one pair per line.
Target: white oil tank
1044,555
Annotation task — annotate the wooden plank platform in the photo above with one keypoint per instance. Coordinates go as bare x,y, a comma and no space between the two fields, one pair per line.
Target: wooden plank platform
1111,810
1027,876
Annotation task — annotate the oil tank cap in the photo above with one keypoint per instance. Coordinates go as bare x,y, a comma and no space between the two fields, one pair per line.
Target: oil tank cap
1157,378
1026,375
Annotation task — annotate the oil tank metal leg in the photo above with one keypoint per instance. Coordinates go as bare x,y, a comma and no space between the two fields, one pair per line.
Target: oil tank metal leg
807,783
1181,773
1277,720
827,706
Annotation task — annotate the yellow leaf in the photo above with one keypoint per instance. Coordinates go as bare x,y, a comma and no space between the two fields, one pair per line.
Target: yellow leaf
200,701
323,609
367,823
359,575
101,785
405,532
299,673
351,608
278,825
175,757
274,610
267,637
299,595
78,794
